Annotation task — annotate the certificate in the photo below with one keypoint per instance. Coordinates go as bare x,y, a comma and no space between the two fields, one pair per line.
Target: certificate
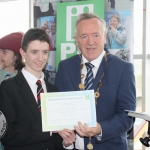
65,109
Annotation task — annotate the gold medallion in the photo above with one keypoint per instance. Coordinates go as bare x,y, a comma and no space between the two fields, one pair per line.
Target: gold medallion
90,146
82,76
96,94
81,86
81,66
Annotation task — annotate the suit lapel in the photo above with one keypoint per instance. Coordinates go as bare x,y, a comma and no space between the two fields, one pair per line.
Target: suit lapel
99,74
75,73
49,87
27,95
101,70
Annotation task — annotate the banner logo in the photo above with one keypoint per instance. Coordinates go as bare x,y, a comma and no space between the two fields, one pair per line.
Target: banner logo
72,13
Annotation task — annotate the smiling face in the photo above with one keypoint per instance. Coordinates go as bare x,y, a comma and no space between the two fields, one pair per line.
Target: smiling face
90,38
35,57
114,22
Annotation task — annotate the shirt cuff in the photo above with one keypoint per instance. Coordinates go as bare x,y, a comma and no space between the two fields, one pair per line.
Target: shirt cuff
99,137
68,147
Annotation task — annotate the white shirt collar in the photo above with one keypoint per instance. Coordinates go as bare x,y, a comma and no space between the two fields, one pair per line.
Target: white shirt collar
31,78
96,62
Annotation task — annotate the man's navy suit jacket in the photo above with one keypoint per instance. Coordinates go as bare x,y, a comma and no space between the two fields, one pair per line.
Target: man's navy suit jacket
116,95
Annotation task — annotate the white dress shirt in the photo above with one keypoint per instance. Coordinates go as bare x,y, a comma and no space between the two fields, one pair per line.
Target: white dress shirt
79,144
31,80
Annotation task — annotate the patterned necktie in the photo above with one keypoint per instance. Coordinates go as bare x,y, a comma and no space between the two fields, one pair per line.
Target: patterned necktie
39,90
89,76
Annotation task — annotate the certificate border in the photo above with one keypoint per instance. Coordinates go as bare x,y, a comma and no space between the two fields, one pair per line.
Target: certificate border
44,96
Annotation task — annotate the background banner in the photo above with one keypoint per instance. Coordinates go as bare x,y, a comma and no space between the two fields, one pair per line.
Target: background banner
57,18
119,13
66,16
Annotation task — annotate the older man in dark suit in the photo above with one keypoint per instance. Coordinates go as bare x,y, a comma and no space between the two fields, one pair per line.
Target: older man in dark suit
112,80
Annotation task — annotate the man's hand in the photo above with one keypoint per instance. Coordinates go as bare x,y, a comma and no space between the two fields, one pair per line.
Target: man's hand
84,130
68,136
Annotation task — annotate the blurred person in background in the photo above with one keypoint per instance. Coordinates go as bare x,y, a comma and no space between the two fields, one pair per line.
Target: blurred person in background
53,35
116,36
47,30
45,25
10,58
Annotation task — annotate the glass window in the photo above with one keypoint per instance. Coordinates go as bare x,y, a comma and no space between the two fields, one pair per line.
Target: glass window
138,26
148,26
138,79
138,47
14,16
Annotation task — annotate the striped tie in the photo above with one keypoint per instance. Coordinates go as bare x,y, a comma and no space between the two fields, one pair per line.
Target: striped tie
89,76
39,90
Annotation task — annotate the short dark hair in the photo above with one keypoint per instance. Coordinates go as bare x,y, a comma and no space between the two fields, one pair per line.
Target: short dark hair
32,35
